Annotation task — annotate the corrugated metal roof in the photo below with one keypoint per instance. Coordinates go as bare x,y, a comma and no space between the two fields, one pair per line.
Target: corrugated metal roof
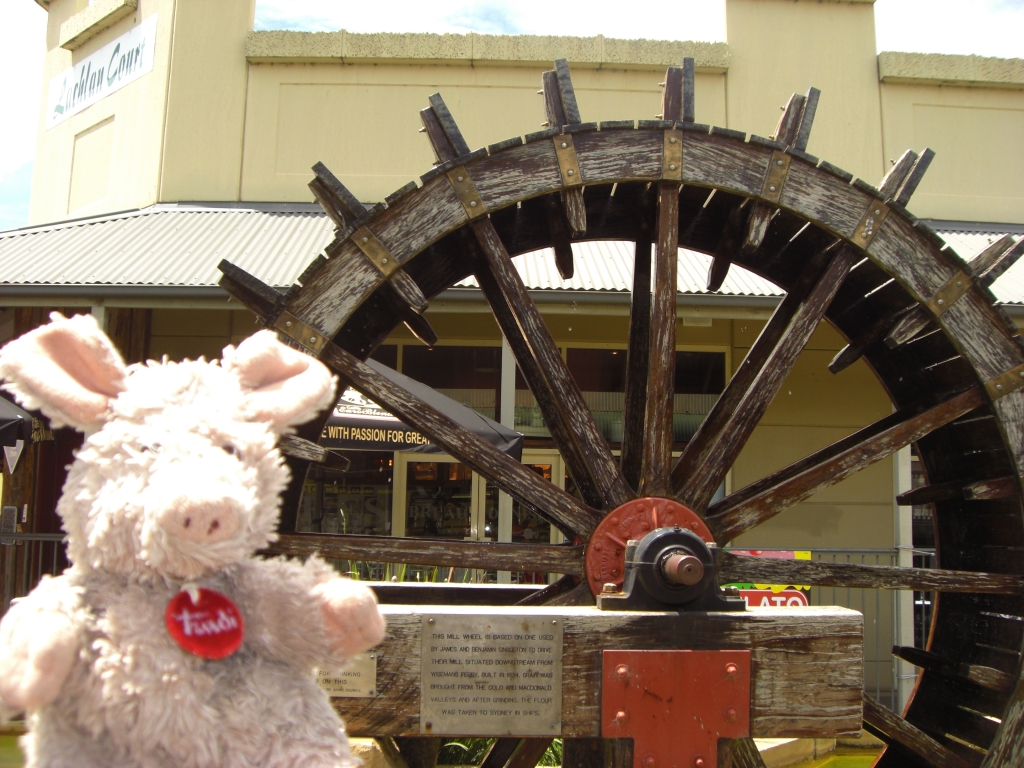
165,245
180,245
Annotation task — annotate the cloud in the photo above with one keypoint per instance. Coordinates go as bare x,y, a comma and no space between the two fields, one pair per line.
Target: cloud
978,27
651,19
22,47
486,18
15,188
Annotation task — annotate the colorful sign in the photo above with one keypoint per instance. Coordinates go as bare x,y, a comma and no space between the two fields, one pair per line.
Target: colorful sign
773,595
95,77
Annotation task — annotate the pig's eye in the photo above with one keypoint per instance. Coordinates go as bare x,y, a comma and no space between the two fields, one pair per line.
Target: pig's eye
230,449
150,448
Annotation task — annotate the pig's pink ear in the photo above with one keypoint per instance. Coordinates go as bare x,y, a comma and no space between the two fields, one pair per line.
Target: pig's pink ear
284,386
69,369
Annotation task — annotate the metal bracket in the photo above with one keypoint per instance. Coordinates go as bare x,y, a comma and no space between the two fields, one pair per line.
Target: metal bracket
1005,383
869,224
672,164
304,335
465,190
568,163
949,293
778,170
375,251
675,705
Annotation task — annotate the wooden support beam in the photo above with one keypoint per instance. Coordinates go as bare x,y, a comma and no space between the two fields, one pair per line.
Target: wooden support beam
739,753
898,733
986,677
419,751
490,555
765,498
789,646
760,570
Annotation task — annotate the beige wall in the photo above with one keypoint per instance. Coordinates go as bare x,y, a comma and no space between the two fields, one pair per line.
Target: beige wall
362,120
781,47
978,137
227,114
107,157
202,153
815,408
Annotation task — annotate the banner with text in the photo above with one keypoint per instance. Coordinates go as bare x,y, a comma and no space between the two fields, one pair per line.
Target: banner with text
359,423
111,68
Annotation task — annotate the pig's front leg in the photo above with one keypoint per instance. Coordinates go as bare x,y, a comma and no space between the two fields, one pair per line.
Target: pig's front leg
306,613
350,613
38,646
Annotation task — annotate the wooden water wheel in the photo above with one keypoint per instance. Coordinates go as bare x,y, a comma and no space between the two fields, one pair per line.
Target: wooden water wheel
843,251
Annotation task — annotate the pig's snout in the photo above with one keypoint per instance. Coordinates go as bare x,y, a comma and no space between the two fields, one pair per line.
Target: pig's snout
202,520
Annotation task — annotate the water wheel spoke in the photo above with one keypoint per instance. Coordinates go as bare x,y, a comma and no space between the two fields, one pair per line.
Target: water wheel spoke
657,450
897,732
489,555
714,449
637,357
572,425
759,570
762,500
508,474
697,450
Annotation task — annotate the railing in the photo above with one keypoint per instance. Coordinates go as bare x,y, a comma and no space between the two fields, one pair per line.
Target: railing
25,558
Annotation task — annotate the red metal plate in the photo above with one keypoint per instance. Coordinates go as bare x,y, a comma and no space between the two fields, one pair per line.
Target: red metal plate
606,553
675,705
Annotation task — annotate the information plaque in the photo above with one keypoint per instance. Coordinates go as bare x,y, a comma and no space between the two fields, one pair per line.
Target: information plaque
358,678
491,675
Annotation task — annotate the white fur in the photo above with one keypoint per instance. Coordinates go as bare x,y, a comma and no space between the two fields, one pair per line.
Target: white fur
178,482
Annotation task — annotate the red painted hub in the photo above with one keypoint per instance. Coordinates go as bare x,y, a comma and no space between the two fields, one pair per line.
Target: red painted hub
606,553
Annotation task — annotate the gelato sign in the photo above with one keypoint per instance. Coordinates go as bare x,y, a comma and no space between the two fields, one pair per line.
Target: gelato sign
111,68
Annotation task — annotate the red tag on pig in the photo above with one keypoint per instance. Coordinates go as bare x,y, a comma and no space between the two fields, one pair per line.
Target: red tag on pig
212,628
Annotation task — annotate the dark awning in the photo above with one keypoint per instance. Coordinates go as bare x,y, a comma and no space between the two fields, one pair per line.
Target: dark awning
360,424
15,423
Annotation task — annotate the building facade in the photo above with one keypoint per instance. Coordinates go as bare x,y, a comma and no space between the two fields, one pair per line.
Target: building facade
174,136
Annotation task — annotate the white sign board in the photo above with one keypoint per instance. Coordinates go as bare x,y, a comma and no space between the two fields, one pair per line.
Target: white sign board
358,678
111,68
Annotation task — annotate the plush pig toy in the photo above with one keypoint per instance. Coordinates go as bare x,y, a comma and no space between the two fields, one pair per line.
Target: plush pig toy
167,643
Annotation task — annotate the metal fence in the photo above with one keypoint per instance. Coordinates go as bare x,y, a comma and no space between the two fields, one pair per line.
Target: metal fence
881,619
26,558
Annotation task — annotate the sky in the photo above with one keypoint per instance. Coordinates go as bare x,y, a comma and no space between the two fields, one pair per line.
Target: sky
981,27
